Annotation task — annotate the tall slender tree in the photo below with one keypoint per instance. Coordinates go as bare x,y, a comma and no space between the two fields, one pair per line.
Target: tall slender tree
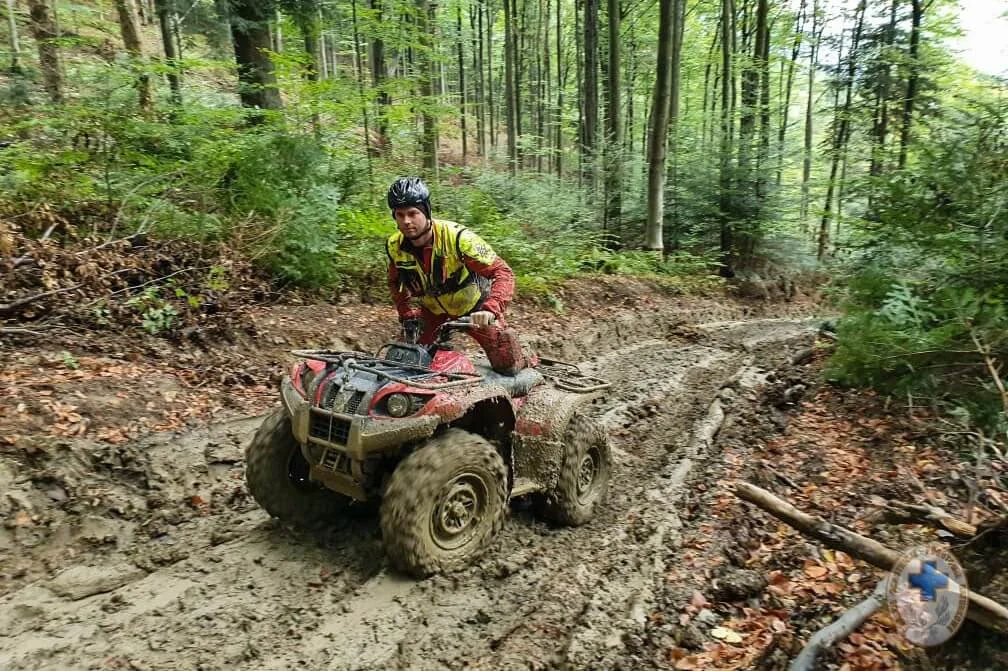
658,135
727,112
787,83
15,65
614,130
43,28
589,99
379,73
425,75
250,34
130,29
166,19
913,76
510,90
841,129
817,30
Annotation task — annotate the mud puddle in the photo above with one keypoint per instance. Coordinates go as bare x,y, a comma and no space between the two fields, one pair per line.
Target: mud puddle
157,559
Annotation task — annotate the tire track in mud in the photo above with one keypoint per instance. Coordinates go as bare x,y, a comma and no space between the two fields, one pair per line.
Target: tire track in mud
249,591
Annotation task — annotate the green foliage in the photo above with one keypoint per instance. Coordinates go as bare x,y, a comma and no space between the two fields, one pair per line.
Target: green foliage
927,295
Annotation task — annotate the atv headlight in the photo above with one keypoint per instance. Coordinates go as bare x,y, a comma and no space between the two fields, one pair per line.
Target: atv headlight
398,405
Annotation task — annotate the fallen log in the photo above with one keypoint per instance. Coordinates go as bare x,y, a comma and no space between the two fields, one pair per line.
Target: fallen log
983,611
927,514
839,629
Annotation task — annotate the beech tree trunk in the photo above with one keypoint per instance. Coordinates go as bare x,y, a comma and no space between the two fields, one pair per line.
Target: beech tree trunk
462,83
841,131
429,138
589,117
658,137
15,65
911,90
807,155
788,83
43,28
614,130
727,111
166,17
510,94
379,73
250,33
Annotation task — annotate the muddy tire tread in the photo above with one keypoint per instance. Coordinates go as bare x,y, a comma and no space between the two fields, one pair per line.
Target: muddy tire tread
414,486
561,505
266,464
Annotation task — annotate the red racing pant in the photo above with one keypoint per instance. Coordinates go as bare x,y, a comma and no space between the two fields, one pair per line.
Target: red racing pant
498,341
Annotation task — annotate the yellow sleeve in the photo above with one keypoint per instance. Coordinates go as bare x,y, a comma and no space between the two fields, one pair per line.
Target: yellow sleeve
474,247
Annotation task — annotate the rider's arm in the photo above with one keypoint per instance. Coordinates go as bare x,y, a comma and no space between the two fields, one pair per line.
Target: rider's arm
502,283
400,296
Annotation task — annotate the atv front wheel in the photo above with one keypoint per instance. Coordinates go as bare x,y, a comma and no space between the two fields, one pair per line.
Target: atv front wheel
444,503
584,475
277,476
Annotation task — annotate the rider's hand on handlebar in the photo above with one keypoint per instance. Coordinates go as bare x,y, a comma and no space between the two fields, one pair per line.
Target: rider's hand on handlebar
482,318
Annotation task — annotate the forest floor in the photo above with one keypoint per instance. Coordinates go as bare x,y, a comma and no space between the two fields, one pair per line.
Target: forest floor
129,540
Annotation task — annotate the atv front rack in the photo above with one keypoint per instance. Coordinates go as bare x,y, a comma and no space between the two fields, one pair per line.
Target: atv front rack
568,376
387,369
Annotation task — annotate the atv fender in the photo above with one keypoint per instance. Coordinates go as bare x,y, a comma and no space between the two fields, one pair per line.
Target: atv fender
538,438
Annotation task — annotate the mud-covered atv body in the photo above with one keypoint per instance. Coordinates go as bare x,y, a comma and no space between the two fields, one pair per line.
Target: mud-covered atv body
443,443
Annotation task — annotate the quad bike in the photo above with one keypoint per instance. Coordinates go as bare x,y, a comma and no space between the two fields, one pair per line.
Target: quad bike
444,443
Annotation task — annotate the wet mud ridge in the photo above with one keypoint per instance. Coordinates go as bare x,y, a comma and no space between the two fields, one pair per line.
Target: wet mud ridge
151,555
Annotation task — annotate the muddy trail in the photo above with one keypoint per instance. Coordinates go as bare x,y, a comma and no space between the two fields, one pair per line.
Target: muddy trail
155,557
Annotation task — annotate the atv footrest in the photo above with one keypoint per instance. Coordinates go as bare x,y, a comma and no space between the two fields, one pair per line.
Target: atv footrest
568,376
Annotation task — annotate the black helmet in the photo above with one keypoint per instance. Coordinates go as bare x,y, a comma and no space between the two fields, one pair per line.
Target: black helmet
409,192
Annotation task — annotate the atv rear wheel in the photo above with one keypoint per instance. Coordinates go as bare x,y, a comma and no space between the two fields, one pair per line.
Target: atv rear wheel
444,503
277,476
584,475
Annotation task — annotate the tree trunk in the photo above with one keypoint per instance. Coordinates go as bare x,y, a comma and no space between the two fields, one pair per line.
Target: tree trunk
589,118
15,65
560,92
462,83
788,83
359,66
672,184
425,66
807,155
43,28
510,94
166,17
727,110
492,116
278,40
658,137
614,129
309,25
379,73
882,119
547,99
841,126
476,32
707,73
911,91
256,78
763,65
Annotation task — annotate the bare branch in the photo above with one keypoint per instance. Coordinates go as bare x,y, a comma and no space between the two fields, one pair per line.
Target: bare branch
839,629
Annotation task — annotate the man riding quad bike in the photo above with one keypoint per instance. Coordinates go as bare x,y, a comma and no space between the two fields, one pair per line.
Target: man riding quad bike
444,443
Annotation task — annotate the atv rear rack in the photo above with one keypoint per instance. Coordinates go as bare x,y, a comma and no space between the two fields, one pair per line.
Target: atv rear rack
568,376
376,366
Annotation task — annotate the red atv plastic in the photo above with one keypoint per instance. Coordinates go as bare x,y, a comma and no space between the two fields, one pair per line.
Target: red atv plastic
442,442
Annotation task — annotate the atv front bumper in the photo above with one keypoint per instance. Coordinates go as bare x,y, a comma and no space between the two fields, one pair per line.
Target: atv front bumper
355,436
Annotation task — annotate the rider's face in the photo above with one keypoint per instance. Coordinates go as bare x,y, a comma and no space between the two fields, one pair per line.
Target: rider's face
412,221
